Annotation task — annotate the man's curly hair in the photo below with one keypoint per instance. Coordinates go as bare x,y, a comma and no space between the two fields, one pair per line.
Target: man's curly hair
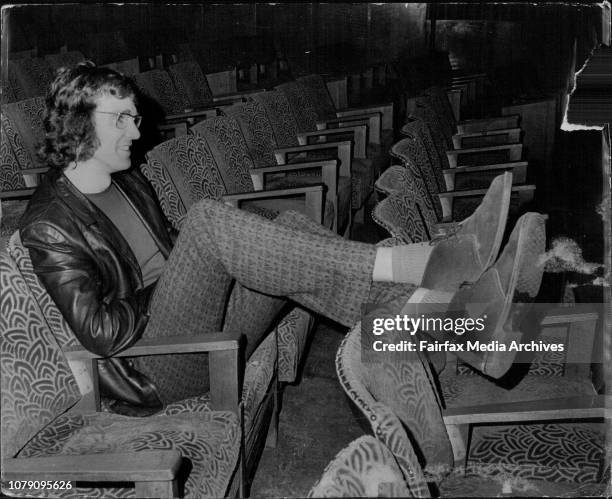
70,133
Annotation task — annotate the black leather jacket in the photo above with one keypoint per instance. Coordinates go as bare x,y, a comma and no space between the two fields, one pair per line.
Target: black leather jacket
91,273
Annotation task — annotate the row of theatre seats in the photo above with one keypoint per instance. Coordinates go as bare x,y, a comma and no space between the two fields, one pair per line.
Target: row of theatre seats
297,147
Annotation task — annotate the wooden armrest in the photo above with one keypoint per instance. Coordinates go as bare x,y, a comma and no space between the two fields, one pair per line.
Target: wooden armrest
565,315
343,152
519,171
385,109
18,193
471,150
223,359
360,137
329,177
479,124
148,466
296,166
591,406
479,192
372,119
311,147
33,170
524,192
515,152
344,116
484,168
191,114
313,198
484,133
512,135
209,342
237,96
241,196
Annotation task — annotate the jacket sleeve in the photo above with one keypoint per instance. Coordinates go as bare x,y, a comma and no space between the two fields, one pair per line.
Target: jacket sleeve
73,280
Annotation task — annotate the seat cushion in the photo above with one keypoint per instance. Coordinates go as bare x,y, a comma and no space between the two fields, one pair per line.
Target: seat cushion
210,440
556,452
459,390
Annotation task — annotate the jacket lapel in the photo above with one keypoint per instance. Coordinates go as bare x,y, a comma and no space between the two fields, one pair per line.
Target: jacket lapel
97,222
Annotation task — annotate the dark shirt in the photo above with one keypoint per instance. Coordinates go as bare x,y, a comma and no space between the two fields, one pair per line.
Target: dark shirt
121,213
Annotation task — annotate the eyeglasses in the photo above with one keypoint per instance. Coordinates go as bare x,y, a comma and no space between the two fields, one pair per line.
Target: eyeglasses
122,119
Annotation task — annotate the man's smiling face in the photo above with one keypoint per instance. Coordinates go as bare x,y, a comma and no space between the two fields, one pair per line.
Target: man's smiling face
113,153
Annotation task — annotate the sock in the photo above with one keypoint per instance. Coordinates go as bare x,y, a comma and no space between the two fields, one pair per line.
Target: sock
425,295
408,262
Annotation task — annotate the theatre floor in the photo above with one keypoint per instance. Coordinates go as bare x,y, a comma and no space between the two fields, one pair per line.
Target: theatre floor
317,420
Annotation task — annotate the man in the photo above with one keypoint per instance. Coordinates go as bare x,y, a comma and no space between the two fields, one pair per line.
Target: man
101,248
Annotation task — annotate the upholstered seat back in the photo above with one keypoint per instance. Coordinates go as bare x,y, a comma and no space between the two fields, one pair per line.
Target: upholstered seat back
424,152
278,111
301,107
191,84
229,149
64,59
11,177
55,320
37,384
157,85
365,468
182,171
424,111
317,94
29,77
256,130
23,124
441,104
395,391
399,215
422,178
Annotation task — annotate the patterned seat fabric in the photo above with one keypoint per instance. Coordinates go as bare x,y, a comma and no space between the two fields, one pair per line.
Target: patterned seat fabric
417,182
422,149
301,107
418,126
285,127
256,130
37,388
399,215
402,385
278,111
64,59
364,468
413,155
437,99
157,85
373,386
316,92
29,77
23,125
191,84
11,178
182,171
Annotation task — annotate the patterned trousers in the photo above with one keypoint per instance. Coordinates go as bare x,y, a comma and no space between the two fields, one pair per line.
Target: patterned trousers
231,270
